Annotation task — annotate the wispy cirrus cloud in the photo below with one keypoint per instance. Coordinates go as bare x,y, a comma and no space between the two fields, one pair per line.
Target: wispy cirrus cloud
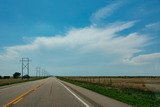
145,59
153,26
104,12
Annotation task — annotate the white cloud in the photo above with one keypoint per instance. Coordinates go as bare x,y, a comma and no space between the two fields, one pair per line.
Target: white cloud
105,11
85,40
144,59
101,47
153,26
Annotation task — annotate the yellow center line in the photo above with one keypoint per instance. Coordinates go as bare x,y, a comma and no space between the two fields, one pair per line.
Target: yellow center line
18,98
17,101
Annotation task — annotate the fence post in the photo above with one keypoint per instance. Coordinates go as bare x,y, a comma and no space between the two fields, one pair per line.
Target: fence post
110,81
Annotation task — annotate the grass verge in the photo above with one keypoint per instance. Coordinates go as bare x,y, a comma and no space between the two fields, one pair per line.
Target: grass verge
133,97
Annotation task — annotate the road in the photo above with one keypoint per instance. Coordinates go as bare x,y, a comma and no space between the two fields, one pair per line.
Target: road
52,92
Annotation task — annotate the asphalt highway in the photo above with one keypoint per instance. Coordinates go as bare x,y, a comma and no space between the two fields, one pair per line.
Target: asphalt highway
52,92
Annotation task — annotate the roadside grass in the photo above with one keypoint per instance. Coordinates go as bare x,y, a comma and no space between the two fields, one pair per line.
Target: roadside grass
137,98
4,82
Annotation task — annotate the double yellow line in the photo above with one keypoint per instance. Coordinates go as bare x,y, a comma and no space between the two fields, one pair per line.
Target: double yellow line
19,98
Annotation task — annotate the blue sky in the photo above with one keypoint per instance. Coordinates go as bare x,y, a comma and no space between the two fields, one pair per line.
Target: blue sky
81,37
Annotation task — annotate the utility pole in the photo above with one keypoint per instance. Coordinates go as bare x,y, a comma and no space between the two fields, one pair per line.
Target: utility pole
38,71
42,72
25,65
45,73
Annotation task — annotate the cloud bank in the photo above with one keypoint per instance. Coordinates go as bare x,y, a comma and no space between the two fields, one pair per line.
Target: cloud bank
82,49
90,39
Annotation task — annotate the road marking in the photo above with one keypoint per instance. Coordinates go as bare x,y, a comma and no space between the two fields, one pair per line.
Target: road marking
74,95
18,98
17,101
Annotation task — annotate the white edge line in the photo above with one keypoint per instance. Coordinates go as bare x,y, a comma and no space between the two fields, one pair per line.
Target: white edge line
74,94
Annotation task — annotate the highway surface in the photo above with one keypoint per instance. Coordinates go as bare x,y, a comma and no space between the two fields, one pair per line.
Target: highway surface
52,92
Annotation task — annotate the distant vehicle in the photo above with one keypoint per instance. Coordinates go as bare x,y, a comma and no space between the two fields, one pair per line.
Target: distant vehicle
26,76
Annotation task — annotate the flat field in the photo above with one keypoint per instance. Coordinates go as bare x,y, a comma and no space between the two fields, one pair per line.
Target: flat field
9,81
136,91
140,83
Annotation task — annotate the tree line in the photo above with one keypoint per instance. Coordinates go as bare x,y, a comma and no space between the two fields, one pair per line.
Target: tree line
15,75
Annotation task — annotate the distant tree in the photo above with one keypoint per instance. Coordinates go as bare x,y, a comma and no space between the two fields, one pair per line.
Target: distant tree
0,77
16,75
6,77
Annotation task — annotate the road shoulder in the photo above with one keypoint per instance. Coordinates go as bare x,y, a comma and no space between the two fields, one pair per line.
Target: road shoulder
96,99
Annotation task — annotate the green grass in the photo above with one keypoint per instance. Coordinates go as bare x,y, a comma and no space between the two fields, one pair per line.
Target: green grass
133,97
4,82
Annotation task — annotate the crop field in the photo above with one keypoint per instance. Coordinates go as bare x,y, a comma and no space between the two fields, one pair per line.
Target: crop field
140,83
9,81
135,91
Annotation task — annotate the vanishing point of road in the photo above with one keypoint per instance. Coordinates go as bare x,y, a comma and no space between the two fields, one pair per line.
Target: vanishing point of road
52,92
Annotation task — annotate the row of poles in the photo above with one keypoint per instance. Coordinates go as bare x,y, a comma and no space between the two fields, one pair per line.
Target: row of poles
39,71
